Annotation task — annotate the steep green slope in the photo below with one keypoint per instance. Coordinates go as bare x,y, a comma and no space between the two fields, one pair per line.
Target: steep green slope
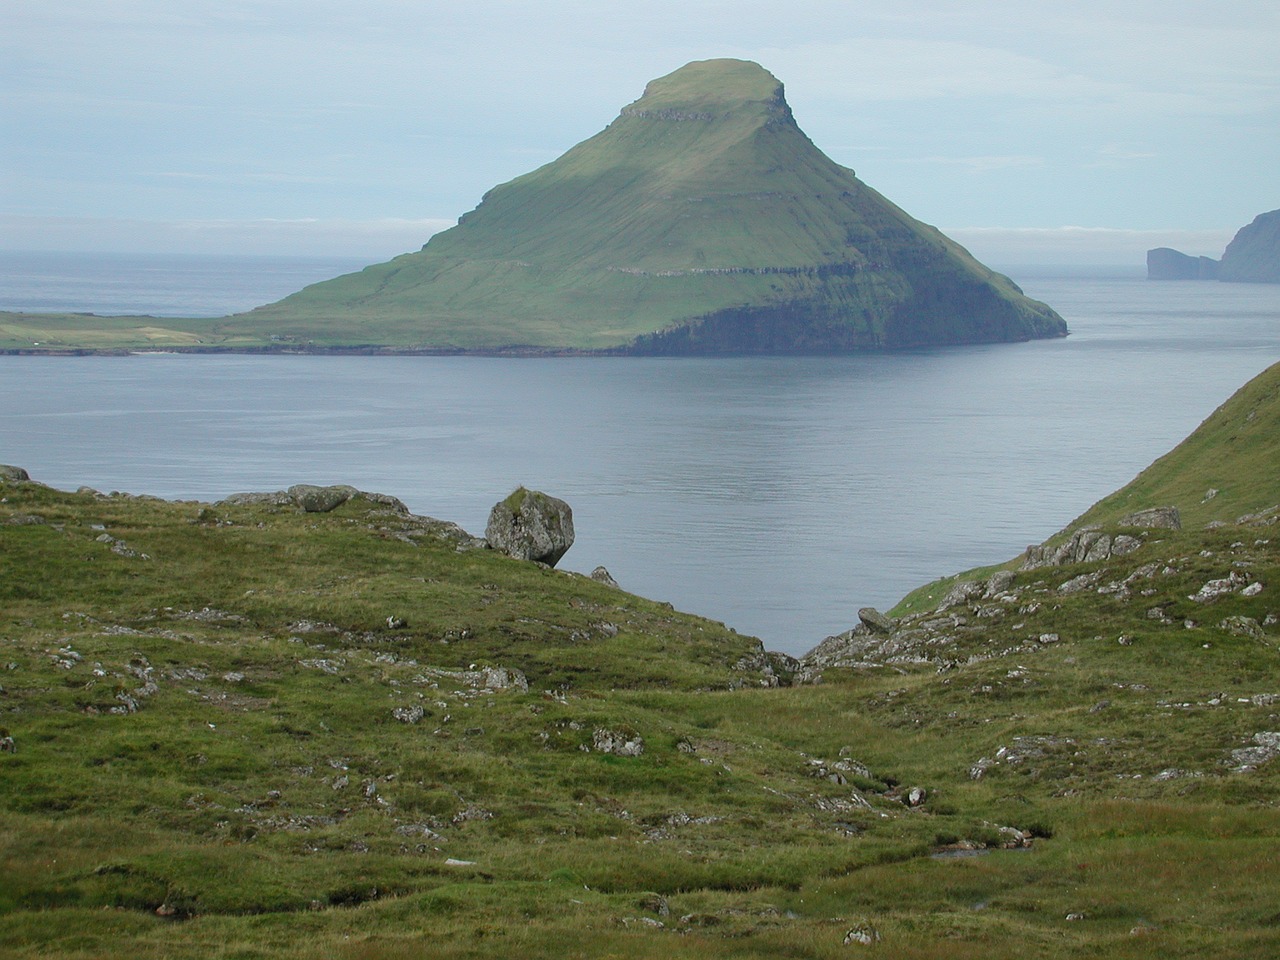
701,220
1229,466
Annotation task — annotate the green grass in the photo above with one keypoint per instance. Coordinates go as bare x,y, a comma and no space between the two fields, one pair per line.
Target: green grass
229,731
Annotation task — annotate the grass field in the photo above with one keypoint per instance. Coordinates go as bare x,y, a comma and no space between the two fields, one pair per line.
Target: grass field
244,730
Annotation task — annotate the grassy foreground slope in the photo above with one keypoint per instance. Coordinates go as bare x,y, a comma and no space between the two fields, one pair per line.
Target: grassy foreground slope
242,730
702,220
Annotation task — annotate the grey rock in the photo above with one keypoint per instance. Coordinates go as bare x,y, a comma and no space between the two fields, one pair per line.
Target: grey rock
10,474
601,575
875,621
618,744
1154,518
411,714
1243,627
313,499
962,592
916,796
530,525
277,499
1266,747
862,935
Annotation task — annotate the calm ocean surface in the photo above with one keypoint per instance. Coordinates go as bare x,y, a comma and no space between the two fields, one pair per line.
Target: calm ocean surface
776,494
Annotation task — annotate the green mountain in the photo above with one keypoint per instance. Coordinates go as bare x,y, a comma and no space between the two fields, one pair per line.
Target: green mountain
702,220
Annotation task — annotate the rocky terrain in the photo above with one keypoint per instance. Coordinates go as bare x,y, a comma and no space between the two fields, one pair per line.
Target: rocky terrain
310,723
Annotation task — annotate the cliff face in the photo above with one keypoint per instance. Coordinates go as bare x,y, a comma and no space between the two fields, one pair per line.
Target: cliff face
701,220
1253,256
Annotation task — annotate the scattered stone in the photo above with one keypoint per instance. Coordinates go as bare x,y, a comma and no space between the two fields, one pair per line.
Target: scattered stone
1219,588
916,796
962,592
655,903
862,935
26,520
451,862
1252,590
1082,582
395,623
7,745
1076,916
601,575
1210,494
1266,748
412,714
1243,627
530,525
618,744
1154,518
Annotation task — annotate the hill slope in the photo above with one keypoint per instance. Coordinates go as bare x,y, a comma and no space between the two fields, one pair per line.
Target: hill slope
702,220
241,729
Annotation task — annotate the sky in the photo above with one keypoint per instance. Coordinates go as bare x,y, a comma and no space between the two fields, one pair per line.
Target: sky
1050,132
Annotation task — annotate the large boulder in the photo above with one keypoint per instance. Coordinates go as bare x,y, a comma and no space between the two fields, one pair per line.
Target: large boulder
313,499
10,474
530,525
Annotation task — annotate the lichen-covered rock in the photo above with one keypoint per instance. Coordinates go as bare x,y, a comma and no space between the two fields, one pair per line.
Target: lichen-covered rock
313,499
1155,518
530,525
875,621
617,743
602,575
10,474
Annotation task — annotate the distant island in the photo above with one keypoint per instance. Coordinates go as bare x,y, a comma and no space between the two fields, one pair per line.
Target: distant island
1253,256
702,220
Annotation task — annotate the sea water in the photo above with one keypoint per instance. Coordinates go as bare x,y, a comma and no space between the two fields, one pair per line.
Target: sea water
776,494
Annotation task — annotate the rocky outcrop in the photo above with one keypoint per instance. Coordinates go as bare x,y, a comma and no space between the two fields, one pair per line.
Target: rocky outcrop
10,474
1253,255
1164,263
313,499
1087,545
530,525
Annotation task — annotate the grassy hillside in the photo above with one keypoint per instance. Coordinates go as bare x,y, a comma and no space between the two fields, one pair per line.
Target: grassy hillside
239,729
1226,469
702,208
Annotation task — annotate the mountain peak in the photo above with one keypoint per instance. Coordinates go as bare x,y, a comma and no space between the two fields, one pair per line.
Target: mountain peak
702,220
709,89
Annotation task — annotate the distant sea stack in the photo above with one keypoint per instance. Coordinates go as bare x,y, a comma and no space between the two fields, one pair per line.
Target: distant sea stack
701,221
1164,263
1253,256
